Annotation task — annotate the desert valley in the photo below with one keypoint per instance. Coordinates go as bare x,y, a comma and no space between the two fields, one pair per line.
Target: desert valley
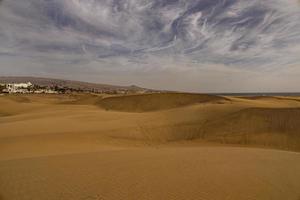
149,146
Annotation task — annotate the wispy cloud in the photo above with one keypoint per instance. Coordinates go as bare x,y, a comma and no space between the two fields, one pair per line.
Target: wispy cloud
132,39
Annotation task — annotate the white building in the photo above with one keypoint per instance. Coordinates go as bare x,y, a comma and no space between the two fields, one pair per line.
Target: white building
18,87
45,91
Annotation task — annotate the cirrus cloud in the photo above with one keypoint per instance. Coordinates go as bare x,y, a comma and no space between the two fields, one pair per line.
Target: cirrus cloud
102,39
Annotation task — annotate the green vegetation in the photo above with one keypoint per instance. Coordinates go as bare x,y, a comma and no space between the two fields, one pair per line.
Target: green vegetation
2,87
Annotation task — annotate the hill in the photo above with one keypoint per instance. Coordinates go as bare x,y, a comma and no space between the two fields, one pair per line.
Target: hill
79,85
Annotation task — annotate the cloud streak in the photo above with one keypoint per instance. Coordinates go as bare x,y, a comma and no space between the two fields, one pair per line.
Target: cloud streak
138,36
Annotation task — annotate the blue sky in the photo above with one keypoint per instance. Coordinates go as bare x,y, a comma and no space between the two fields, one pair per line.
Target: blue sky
190,45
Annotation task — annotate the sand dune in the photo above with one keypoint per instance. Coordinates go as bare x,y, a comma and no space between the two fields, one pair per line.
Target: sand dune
179,146
154,102
161,173
275,127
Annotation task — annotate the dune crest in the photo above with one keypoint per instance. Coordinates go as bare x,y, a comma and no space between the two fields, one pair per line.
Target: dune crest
155,102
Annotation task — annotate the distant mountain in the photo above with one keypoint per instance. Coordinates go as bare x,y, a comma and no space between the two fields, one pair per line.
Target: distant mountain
78,85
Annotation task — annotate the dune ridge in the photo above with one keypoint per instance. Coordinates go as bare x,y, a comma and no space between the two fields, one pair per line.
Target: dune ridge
161,118
154,102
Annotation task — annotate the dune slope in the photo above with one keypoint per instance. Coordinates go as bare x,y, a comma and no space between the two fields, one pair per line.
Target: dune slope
274,127
156,174
154,102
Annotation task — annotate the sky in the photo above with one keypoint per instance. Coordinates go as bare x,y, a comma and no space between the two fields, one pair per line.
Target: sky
184,45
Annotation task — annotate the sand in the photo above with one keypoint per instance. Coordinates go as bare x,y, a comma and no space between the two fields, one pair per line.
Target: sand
70,147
